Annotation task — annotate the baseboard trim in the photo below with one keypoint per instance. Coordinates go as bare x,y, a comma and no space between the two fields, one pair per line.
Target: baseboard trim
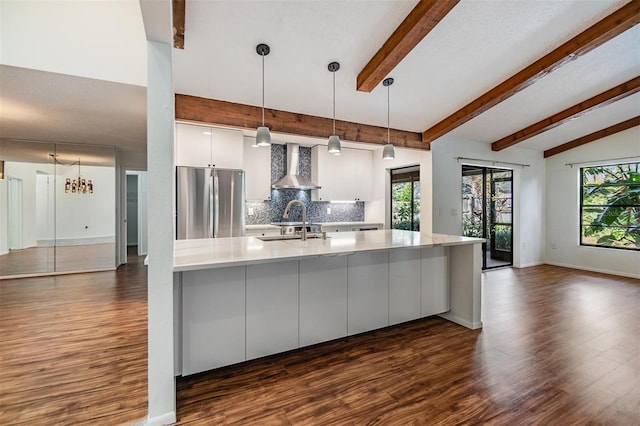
47,274
165,419
80,241
461,321
528,265
601,271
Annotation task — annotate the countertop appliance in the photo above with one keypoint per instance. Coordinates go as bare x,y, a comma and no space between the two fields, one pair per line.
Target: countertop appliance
210,203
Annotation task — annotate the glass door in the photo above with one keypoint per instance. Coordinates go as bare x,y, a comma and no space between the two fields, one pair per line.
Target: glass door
405,198
487,200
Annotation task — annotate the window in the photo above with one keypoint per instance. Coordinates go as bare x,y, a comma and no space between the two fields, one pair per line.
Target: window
405,198
610,206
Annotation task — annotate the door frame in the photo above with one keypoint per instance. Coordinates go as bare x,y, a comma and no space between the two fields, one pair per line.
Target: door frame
14,214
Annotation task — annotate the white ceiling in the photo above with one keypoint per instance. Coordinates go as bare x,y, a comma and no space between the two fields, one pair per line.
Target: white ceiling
476,46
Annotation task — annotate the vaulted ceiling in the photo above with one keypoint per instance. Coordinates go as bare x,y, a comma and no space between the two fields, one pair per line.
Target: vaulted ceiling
476,46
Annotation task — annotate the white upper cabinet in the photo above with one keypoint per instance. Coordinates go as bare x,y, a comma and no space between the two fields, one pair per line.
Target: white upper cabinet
345,177
257,171
203,146
364,174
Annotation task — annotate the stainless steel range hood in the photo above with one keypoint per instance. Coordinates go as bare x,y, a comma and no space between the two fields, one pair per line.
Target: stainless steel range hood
293,179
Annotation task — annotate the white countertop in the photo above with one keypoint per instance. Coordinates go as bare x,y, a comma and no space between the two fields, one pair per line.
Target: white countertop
238,251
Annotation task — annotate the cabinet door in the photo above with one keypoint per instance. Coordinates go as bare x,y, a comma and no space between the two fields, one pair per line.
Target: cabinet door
326,171
272,308
435,281
193,145
364,178
368,291
257,171
213,318
405,280
226,148
323,299
348,175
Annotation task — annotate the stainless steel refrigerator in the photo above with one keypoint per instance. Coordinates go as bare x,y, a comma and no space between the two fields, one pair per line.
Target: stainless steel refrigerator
210,203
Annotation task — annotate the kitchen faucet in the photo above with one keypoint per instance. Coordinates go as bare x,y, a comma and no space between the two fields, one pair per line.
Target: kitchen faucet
304,216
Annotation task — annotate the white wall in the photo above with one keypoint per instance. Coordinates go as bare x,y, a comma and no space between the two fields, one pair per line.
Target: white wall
31,37
378,209
528,199
563,198
86,218
4,246
27,173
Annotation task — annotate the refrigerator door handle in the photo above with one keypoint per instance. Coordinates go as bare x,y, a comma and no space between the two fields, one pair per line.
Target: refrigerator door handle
210,210
216,204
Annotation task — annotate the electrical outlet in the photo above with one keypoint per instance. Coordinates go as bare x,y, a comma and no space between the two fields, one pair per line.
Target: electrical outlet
328,210
524,246
454,212
250,211
554,246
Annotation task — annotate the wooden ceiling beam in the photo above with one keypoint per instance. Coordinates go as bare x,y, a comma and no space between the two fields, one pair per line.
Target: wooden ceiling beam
420,21
603,99
231,114
618,22
178,23
616,128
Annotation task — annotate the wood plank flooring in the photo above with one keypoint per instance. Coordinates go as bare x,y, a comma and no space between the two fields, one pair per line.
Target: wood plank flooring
74,348
558,347
42,260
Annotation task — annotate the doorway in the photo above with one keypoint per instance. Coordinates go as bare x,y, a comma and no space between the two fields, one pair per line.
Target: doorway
405,198
14,214
487,212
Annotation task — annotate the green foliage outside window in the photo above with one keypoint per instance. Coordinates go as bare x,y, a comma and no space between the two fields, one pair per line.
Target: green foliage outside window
610,206
402,208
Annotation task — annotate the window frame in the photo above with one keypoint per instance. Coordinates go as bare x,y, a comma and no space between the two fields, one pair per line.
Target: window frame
581,207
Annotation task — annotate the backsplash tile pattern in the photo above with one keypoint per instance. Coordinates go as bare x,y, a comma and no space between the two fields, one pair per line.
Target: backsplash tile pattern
272,210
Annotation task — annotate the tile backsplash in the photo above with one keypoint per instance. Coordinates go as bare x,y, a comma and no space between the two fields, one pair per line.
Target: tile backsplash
271,211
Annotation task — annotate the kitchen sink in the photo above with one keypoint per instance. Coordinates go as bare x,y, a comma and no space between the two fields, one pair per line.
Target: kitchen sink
288,237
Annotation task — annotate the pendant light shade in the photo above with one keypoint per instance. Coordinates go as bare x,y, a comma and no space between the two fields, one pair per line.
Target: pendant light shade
334,141
388,152
334,145
263,137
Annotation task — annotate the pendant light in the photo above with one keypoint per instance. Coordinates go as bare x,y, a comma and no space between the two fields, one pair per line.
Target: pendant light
388,152
334,141
263,137
80,185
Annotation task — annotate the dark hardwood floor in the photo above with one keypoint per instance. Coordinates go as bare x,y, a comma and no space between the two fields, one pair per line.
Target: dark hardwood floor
74,348
46,260
558,347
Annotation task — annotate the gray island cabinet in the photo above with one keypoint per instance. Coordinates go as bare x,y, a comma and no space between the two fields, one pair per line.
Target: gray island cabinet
242,298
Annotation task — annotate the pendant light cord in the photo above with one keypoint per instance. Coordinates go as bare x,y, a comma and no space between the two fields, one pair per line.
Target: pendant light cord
388,126
262,90
334,102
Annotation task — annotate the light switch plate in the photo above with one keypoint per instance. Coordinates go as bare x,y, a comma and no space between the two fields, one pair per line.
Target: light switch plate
328,210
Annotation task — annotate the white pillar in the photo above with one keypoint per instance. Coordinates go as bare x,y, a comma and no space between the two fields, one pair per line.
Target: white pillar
160,123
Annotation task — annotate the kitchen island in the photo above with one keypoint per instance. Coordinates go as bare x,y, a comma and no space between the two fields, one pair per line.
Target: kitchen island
241,298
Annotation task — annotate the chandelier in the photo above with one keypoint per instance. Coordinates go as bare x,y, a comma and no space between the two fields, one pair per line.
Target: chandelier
80,185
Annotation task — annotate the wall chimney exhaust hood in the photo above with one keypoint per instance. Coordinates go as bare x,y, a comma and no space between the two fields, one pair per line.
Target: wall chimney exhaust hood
293,179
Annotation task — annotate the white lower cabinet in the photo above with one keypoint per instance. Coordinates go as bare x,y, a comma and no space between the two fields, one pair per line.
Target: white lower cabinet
213,318
435,281
368,291
405,280
234,314
323,299
272,308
